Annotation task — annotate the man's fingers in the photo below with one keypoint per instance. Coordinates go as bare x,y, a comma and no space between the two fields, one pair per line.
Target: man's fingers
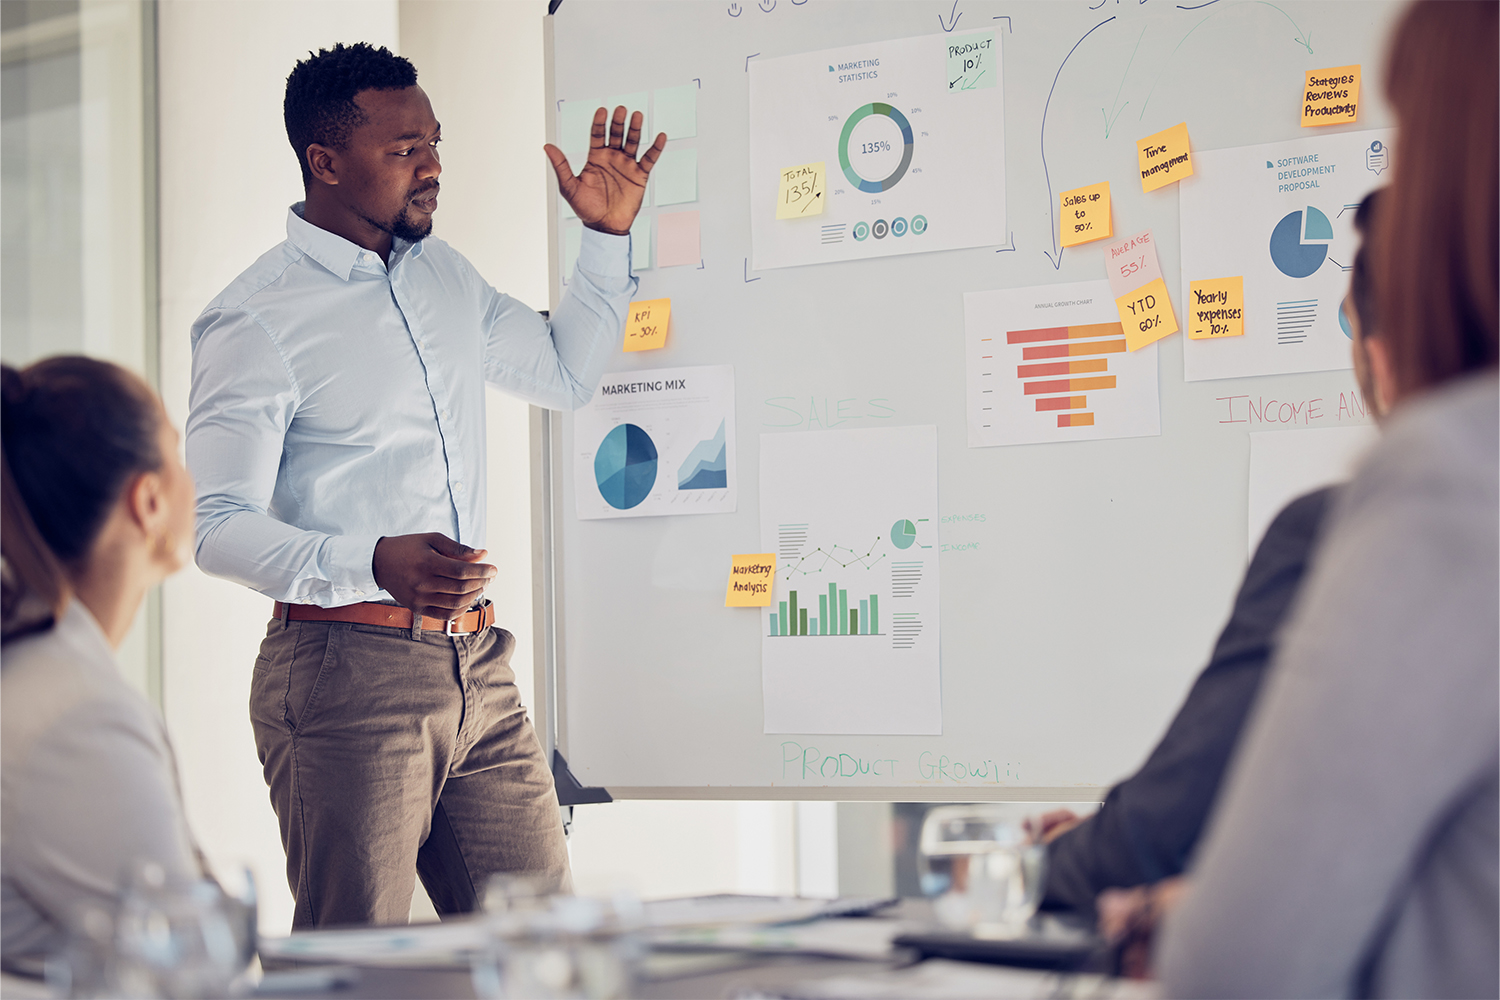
617,128
648,160
560,167
597,133
633,137
442,567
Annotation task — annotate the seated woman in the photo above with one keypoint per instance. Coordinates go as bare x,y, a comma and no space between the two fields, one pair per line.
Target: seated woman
1355,849
97,507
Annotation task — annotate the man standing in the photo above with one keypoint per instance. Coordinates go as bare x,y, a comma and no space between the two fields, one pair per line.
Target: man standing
337,435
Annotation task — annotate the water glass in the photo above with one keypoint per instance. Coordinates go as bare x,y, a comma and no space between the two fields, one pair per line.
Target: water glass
983,870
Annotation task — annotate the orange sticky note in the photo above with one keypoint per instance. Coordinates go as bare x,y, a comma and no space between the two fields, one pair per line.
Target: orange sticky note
646,324
1146,314
750,578
1165,157
1330,96
1085,214
1216,308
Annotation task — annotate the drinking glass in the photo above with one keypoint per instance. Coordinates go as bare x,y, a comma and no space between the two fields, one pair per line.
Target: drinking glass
983,870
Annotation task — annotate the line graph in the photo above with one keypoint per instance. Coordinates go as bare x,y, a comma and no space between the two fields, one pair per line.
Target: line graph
792,537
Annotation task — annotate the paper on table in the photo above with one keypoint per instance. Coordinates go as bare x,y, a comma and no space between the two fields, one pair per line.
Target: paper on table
677,239
1165,157
1085,214
675,177
1048,364
1330,96
1286,464
750,580
674,110
839,938
1131,262
646,324
1216,308
850,641
943,979
657,442
640,243
801,191
1146,314
446,944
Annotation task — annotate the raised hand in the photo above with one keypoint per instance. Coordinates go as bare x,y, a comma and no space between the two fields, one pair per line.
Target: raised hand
607,193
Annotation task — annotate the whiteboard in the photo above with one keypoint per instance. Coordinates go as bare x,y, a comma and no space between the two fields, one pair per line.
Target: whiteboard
1083,583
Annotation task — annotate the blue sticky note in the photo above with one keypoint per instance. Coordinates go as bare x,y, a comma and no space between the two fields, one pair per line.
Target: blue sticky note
572,243
640,243
676,177
675,110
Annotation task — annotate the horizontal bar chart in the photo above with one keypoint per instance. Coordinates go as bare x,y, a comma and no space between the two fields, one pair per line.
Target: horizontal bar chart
1061,403
1072,350
1071,385
1075,420
1084,332
1062,368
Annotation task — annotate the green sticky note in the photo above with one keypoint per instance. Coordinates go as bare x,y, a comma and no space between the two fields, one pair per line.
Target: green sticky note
572,243
973,62
575,120
675,111
633,103
676,177
640,243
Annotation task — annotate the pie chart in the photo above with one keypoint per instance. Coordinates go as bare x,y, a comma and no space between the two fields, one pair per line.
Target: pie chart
625,466
1290,254
903,533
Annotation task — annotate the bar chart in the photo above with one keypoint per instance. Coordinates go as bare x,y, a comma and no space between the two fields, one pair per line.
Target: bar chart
1051,364
835,615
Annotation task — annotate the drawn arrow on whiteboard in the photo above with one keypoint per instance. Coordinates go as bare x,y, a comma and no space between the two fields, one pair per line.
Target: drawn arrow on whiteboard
1057,252
1303,38
1112,115
953,14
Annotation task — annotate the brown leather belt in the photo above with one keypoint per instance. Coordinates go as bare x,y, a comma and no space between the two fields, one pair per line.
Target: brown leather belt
389,615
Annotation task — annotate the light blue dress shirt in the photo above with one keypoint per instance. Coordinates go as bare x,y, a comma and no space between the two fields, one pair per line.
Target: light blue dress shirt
336,400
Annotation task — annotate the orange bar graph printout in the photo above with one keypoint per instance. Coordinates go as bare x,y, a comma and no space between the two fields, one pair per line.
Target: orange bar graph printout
1061,403
1075,420
1071,385
1081,332
1072,350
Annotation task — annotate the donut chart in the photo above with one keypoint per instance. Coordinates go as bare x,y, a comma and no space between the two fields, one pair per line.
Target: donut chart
865,184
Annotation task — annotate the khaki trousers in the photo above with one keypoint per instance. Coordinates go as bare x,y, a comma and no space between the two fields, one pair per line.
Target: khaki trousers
387,755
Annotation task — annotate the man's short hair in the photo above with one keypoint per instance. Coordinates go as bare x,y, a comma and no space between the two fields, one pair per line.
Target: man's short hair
319,106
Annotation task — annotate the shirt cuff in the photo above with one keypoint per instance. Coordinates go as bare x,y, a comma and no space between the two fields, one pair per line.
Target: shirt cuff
603,254
352,566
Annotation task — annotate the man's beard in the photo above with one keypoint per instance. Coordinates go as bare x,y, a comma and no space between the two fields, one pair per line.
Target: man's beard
404,227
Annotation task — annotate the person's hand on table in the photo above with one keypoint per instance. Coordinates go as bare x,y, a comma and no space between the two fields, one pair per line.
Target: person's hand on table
607,193
1046,828
1128,919
430,573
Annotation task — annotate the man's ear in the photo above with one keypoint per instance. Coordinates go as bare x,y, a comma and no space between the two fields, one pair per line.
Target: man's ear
323,163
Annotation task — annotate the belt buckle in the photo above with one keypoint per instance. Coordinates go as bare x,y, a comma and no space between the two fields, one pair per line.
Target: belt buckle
448,625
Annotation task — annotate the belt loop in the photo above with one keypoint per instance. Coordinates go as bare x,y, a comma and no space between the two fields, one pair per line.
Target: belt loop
416,626
286,614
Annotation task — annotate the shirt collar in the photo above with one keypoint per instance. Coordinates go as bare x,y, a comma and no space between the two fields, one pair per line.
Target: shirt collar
334,252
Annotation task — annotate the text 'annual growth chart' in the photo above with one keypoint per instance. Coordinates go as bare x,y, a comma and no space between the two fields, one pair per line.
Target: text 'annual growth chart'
1050,363
912,133
849,643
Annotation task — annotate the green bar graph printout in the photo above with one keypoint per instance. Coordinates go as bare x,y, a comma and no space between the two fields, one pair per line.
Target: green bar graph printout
773,624
802,621
793,596
835,616
783,618
843,612
823,612
854,622
864,617
874,615
833,609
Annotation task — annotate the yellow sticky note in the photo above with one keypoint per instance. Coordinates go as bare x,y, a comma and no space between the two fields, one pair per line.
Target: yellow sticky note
1216,308
1165,157
801,192
750,580
1330,96
646,324
1085,214
1146,314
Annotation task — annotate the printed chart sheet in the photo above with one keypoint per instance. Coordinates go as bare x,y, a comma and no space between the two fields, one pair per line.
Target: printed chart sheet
849,643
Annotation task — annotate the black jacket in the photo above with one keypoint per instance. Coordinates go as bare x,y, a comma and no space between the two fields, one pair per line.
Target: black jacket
1150,822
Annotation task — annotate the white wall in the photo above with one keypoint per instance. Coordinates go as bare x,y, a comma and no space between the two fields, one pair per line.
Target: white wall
227,177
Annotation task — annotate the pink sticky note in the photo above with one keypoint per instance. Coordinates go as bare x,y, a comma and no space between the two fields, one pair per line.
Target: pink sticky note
677,239
1130,263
